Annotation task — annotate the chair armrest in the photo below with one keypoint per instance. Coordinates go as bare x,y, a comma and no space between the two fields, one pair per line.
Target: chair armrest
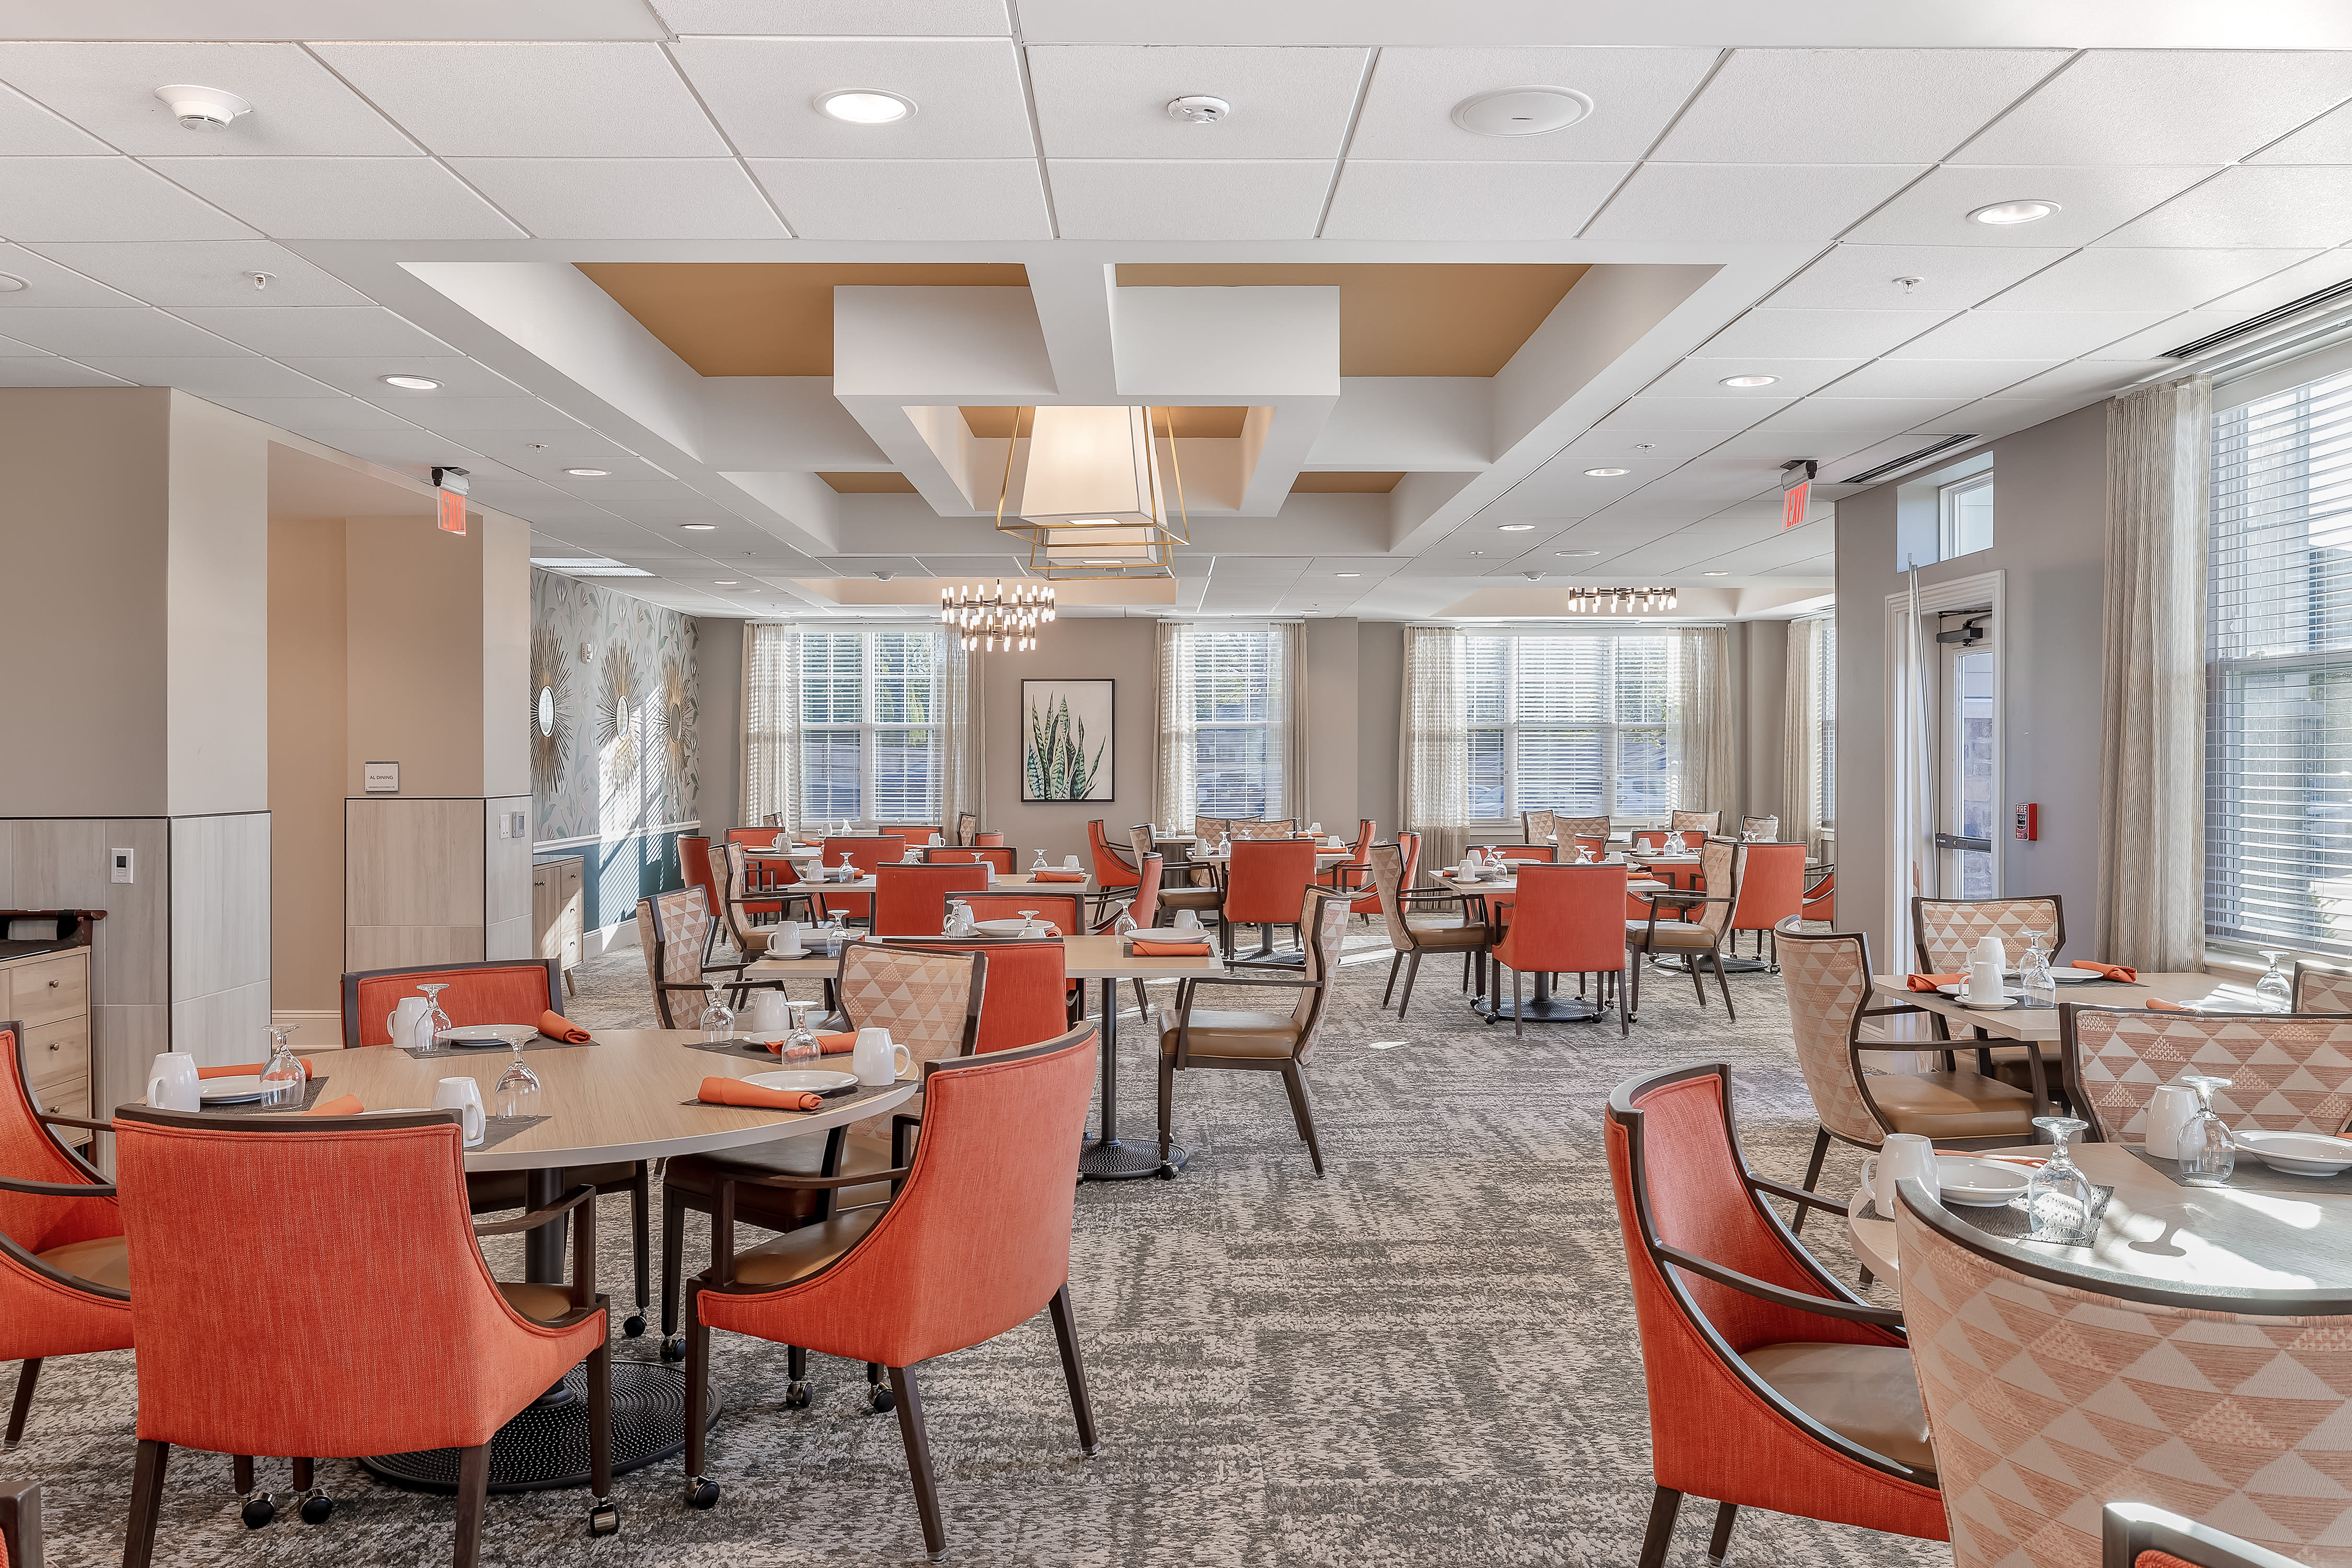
1268,981
57,1189
1748,1285
537,1217
1795,1195
76,1121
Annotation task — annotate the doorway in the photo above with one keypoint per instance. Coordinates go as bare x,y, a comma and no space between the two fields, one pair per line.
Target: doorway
1968,712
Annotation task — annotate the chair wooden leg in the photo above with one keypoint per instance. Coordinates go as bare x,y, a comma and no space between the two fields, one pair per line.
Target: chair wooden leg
146,1502
1074,1371
27,1375
1867,1276
1625,1010
1698,979
1167,1106
1518,1019
1813,1174
240,1473
1301,1112
1395,959
641,1213
473,1493
1411,969
1723,985
600,1423
1663,1506
673,1258
697,1386
919,1460
1718,1545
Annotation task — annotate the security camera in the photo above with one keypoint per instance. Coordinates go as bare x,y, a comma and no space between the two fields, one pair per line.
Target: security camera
884,577
203,108
1532,576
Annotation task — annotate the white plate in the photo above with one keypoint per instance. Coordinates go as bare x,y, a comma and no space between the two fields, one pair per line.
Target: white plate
238,1090
2070,976
802,1078
504,1034
2297,1153
2007,999
1979,1183
1014,927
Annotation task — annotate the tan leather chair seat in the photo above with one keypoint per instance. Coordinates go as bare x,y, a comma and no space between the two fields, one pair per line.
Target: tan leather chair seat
697,1174
544,1303
1268,1035
1449,934
1671,936
1951,1104
101,1260
1191,898
1868,1395
797,1254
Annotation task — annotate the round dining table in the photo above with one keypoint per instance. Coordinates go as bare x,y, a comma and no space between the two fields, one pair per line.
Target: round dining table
629,1095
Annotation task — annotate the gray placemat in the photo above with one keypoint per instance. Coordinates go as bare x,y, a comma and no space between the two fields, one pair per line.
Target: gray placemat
2006,1220
2252,1175
497,1129
755,1050
310,1099
536,1043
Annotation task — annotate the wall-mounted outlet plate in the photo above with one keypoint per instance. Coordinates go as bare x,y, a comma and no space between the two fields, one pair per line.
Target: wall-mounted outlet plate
122,871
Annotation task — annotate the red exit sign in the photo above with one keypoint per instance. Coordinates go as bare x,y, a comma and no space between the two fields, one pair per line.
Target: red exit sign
1796,489
451,483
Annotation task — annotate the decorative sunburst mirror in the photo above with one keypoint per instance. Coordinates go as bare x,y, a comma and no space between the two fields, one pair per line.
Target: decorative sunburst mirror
550,718
675,716
616,734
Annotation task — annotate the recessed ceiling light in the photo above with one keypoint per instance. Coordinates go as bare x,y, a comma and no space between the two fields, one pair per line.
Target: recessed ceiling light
1714,574
589,473
1477,552
1518,527
411,383
1521,111
2003,213
10,283
697,526
1347,573
1749,379
867,106
727,582
1605,473
1576,552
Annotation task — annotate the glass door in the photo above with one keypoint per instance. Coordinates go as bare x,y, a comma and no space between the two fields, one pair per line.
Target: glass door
1967,787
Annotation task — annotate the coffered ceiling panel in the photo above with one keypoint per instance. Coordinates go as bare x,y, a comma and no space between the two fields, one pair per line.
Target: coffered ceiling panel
50,282
2091,203
967,93
1849,106
30,130
1111,101
533,100
1456,202
1791,377
341,198
909,198
102,198
625,198
208,272
2165,105
1910,276
2142,280
937,18
1409,106
1939,377
299,106
2253,207
1759,203
1831,334
1188,200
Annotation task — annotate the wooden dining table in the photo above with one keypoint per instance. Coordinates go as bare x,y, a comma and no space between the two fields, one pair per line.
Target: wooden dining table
628,1095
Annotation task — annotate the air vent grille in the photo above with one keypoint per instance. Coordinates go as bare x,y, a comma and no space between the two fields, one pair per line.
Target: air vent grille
2267,319
1880,472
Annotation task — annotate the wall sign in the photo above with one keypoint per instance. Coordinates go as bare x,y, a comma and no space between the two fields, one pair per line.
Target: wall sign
383,778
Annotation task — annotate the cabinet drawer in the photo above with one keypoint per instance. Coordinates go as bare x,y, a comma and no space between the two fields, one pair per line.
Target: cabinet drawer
55,1052
70,1098
52,989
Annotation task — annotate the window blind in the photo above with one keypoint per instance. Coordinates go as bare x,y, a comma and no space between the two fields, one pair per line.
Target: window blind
1827,671
1573,723
2278,785
869,736
1241,699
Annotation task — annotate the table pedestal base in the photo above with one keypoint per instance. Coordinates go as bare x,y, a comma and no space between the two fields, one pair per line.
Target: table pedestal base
1112,1160
546,1446
1541,1010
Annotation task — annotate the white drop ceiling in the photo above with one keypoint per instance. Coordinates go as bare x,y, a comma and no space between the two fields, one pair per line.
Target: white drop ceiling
417,184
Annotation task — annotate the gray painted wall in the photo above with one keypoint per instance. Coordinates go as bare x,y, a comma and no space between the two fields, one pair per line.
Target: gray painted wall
1380,700
718,727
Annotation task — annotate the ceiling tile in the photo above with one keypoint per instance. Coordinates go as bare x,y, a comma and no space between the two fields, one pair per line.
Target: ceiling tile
861,18
78,334
1110,100
1613,448
1762,204
216,378
299,107
967,93
2169,334
463,414
312,416
362,378
909,198
207,272
102,198
2136,280
48,282
1722,413
1824,446
1886,415
2253,207
409,451
2166,106
625,198
332,332
28,131
50,371
2091,202
1798,334
1849,106
2286,286
1188,200
1950,277
2002,415
1468,202
1938,377
11,348
2088,376
533,100
1409,107
404,199
2026,334
2327,140
1703,377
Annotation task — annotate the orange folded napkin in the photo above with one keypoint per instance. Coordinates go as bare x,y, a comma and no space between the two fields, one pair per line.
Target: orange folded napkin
341,1105
735,1091
1057,876
253,1068
556,1026
826,1045
1929,982
2122,972
2158,1004
1147,948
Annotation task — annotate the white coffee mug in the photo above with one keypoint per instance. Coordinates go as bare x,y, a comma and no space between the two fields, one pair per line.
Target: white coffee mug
171,1082
1904,1154
464,1096
403,1023
2168,1111
1069,862
876,1060
1186,919
769,1013
786,941
937,841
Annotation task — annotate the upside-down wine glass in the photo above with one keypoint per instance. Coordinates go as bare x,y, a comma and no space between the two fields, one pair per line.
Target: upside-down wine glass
2059,1198
517,1091
2208,1153
282,1077
435,1022
2276,989
1028,921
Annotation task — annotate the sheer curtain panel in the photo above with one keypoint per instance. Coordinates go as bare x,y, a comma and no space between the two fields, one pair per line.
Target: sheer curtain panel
771,707
1702,668
963,723
1173,793
1434,754
1801,738
2152,744
1292,641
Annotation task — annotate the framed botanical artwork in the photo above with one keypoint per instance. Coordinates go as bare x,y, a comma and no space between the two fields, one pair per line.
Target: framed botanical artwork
1067,744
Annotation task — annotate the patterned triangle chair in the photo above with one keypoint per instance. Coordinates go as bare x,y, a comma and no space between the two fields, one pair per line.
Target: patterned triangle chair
1943,937
1414,930
975,1241
675,930
1699,934
967,824
2133,1535
2288,1072
1763,828
2322,990
2053,1387
1770,1385
1537,827
1694,827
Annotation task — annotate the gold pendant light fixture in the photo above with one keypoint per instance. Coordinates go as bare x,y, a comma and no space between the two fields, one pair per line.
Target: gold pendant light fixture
985,619
1620,601
1084,488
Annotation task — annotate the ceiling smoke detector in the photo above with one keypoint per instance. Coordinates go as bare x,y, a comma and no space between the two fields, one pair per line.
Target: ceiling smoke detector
1197,109
1521,111
203,108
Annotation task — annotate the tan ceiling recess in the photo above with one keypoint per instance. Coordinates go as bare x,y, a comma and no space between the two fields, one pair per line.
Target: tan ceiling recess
765,318
1337,483
1204,422
869,484
1402,318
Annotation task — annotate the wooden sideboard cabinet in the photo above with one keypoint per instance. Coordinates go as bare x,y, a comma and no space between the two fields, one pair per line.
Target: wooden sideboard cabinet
49,994
556,912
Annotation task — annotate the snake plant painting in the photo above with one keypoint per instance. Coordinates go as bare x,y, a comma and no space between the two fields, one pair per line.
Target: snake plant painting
1066,751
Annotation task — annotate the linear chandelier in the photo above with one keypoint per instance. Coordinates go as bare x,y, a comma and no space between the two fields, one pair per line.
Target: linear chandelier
1620,601
1084,491
985,619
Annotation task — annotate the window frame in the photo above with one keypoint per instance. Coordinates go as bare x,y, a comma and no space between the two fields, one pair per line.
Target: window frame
1274,701
1606,722
1948,499
867,727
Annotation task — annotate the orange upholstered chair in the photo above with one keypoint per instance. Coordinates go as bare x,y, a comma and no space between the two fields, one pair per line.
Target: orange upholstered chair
1064,911
912,832
1771,888
988,840
1565,921
866,852
2135,1535
1546,853
1111,871
912,901
1770,1385
975,1242
1024,988
505,990
1821,896
64,1286
370,1198
694,869
1266,886
998,856
1142,901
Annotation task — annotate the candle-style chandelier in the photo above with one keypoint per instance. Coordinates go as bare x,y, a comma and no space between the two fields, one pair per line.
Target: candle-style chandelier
1620,601
987,617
